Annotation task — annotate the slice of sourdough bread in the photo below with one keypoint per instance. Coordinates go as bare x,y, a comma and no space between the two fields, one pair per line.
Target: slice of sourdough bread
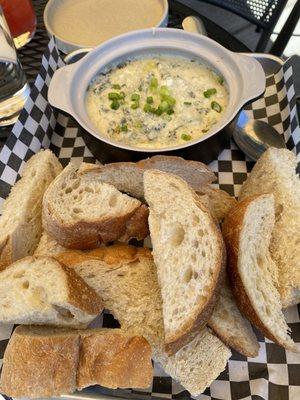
40,362
128,177
189,254
44,362
114,359
40,290
82,212
275,172
128,285
219,202
247,231
231,327
48,246
21,221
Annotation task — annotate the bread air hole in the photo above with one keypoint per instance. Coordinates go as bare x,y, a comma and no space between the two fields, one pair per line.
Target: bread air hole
19,274
76,184
68,190
33,173
196,220
63,312
77,210
25,285
113,200
88,189
188,275
177,235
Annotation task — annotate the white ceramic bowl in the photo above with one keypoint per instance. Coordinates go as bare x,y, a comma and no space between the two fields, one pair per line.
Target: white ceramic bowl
67,46
243,74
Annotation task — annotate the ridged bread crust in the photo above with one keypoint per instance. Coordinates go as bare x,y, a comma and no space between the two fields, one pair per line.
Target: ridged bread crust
233,230
92,221
21,220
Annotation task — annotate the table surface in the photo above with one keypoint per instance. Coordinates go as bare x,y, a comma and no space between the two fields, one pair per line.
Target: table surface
31,54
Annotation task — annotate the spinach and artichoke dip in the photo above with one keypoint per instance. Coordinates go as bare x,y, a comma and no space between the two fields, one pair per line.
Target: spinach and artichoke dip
156,102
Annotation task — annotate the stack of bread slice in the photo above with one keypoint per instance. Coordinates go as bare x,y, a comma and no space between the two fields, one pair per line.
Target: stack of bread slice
177,298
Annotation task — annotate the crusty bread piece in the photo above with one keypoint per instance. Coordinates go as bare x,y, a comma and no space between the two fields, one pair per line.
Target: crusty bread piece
231,327
275,172
218,201
40,362
40,290
125,277
21,222
82,212
45,362
128,176
247,231
189,254
114,359
48,246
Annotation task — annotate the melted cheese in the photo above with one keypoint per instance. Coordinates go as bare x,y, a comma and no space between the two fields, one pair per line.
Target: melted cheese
187,82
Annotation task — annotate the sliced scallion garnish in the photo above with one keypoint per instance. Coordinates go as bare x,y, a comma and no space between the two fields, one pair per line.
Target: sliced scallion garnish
187,103
116,86
135,97
115,105
209,92
149,100
186,137
113,96
135,105
216,106
124,128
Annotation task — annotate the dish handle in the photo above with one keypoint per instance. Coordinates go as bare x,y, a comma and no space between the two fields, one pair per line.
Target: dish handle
254,78
58,92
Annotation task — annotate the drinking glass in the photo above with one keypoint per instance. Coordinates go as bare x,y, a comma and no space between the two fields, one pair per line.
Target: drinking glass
14,88
21,20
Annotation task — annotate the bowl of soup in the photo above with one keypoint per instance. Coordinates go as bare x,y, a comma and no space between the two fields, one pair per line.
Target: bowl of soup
158,90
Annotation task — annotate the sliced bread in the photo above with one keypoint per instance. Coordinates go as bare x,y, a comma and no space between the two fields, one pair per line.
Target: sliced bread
275,172
45,362
231,327
189,254
40,362
128,177
114,359
218,201
247,231
21,221
129,287
80,211
48,246
40,290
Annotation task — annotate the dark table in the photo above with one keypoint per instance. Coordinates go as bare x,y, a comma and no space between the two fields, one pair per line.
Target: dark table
31,54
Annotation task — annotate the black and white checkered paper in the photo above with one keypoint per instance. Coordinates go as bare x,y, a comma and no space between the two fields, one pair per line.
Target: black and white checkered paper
275,373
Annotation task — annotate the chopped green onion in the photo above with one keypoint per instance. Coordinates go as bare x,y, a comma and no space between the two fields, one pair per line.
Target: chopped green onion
153,83
220,79
164,105
124,128
209,92
116,86
135,105
149,100
164,91
147,108
187,103
169,99
159,111
113,96
170,111
135,97
115,105
186,137
216,106
121,96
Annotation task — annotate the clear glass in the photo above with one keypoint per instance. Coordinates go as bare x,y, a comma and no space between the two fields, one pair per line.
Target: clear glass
14,88
21,19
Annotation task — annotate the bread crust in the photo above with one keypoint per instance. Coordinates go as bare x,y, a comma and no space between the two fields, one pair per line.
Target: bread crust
114,361
35,366
232,231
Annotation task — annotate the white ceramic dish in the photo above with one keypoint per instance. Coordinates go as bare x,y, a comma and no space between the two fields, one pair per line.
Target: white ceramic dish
243,74
66,45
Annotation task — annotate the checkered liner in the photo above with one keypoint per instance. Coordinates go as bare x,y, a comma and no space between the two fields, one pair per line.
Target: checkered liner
275,373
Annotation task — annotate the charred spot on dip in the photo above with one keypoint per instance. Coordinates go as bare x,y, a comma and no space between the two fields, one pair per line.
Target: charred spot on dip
164,101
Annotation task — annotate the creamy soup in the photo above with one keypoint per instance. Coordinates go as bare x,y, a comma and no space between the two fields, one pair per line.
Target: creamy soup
156,102
90,22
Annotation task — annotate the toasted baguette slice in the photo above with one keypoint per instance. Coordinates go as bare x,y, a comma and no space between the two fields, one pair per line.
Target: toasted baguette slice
125,277
40,290
275,172
128,177
48,246
21,221
40,362
80,211
45,362
247,232
219,201
114,359
189,253
231,327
